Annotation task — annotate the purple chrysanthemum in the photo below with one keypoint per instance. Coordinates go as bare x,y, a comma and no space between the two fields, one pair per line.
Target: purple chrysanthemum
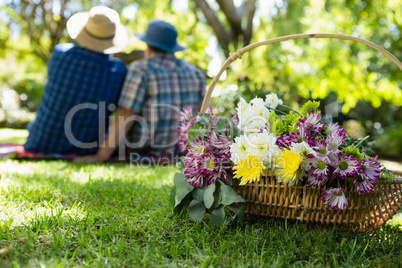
235,120
285,140
186,114
370,169
321,147
369,172
334,198
199,165
192,169
332,127
309,128
183,133
345,166
312,118
214,119
335,139
319,172
219,145
209,167
364,185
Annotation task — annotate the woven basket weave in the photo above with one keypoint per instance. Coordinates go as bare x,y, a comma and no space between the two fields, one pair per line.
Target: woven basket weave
365,212
269,198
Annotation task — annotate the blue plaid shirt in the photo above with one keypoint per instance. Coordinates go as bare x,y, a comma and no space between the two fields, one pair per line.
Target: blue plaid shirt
76,76
156,89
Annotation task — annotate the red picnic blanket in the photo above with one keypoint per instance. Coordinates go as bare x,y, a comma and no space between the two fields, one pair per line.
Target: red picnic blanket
17,151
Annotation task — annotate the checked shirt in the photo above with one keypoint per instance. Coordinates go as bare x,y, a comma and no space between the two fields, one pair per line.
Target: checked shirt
156,89
76,76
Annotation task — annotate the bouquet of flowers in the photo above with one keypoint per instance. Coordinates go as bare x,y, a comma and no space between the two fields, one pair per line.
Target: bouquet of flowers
300,148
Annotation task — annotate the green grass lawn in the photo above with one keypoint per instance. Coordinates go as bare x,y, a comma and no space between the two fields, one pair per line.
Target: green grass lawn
62,214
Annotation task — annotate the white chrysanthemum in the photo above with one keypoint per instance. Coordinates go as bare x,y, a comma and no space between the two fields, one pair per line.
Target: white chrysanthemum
259,106
244,112
254,124
241,107
303,149
252,117
263,145
272,101
238,149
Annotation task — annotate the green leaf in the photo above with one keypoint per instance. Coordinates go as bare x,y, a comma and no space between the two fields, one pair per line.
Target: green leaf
180,165
234,131
273,121
185,203
221,126
183,188
198,194
237,211
195,131
209,195
203,118
218,215
217,199
228,195
229,182
196,210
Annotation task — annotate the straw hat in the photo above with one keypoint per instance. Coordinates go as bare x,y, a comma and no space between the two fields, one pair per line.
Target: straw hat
162,35
99,30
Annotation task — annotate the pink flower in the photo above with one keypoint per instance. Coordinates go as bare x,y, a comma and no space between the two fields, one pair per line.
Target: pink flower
334,198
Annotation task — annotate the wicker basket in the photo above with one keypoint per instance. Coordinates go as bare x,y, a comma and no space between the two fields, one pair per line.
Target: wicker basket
365,212
269,198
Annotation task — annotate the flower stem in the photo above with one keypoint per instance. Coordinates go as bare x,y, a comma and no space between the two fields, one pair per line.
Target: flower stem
357,146
269,108
289,109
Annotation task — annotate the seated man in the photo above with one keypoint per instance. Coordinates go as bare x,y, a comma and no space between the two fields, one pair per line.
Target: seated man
84,83
155,90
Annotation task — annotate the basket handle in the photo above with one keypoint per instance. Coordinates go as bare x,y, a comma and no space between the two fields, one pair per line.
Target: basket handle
238,54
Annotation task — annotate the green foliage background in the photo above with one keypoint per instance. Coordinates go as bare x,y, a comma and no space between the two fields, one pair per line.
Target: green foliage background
359,82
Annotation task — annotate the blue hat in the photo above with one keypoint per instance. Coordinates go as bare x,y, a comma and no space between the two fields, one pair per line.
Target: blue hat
162,35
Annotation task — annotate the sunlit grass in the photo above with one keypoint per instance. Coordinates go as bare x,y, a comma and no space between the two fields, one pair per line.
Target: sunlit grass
8,135
110,215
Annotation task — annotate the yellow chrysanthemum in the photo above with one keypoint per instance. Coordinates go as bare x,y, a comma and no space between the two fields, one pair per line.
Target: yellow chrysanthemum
288,164
248,169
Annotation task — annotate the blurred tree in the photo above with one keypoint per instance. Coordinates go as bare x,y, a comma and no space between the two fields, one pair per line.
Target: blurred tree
238,18
312,69
43,21
4,37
